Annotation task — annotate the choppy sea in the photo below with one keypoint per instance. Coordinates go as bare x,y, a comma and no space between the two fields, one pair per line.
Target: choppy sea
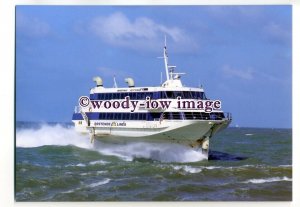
54,163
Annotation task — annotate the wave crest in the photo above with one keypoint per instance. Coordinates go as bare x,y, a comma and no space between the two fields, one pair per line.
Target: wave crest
268,180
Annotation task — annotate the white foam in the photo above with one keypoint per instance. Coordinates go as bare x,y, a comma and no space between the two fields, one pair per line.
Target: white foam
80,165
70,191
101,162
156,151
76,165
63,136
102,182
268,180
285,166
240,167
101,172
93,173
186,168
51,135
214,167
191,169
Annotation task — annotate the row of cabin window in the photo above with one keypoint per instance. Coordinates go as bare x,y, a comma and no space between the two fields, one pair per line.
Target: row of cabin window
193,115
152,95
153,116
124,116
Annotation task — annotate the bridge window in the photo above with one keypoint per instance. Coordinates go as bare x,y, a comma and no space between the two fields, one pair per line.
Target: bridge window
139,96
156,95
163,94
149,94
169,94
93,96
197,94
187,94
133,96
178,93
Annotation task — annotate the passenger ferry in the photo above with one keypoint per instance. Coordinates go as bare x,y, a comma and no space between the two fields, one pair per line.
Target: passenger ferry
151,114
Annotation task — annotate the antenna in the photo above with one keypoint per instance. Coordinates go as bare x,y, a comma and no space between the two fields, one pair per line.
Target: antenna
166,58
115,82
169,68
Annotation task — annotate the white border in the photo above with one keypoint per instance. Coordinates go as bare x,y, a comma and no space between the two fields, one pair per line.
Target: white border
151,2
7,12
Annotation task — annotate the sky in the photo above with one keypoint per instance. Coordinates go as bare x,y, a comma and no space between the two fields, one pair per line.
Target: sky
241,55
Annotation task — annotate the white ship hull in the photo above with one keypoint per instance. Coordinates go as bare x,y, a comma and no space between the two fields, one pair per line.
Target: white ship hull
187,132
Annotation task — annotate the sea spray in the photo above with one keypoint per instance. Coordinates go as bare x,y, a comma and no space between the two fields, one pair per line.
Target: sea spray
156,151
51,135
62,136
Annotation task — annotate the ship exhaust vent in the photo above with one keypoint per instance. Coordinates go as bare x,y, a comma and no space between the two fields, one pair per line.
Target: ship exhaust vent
98,81
130,82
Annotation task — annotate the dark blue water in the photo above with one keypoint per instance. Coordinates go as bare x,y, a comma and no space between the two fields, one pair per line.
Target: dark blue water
54,163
